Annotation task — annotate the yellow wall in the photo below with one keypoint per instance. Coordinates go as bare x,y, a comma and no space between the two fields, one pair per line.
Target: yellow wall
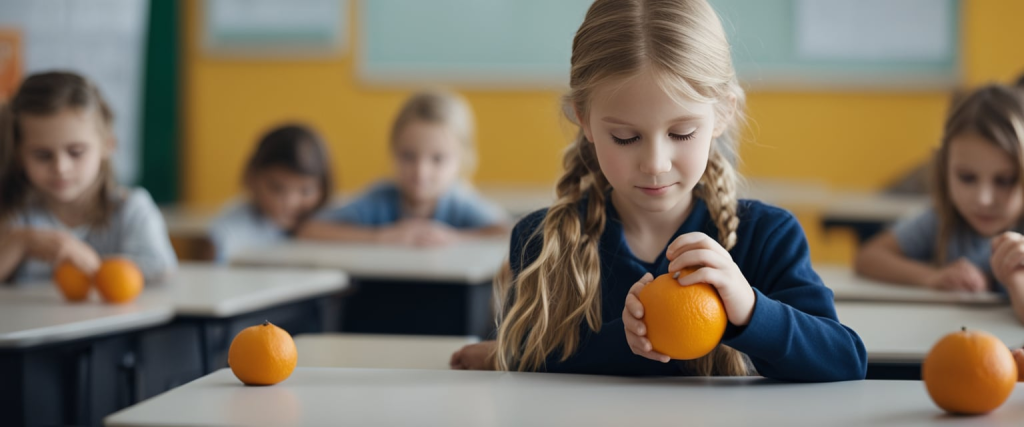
850,140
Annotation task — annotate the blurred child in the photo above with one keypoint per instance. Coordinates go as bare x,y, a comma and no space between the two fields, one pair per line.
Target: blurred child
427,203
288,178
970,241
59,200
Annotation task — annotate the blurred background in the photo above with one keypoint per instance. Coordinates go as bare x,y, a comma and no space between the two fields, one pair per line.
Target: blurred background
844,96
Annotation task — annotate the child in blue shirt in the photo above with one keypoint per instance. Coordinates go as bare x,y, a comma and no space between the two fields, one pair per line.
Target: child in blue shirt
427,203
59,201
649,189
288,179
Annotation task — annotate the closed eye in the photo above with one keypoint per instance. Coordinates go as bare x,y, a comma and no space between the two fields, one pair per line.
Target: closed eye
686,137
626,141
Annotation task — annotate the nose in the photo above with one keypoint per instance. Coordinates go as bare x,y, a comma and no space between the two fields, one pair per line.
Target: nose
656,157
986,195
62,165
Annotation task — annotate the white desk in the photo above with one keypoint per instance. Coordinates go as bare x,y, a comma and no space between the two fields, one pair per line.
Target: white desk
378,351
847,286
38,315
104,357
904,333
217,291
403,290
372,397
469,263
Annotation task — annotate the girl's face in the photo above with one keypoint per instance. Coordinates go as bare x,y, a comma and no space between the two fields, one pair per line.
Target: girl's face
427,157
652,149
283,196
984,184
62,153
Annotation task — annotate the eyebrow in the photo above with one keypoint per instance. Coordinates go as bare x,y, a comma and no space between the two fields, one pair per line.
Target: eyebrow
613,120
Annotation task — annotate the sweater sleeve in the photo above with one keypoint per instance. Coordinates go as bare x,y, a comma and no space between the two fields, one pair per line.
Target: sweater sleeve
794,333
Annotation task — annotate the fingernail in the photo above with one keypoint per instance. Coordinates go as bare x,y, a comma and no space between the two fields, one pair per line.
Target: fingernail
640,331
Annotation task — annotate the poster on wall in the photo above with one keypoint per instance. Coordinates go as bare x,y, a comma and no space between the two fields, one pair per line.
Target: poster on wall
10,62
293,29
101,39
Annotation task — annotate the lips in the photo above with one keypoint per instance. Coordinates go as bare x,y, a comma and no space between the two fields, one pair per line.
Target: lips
657,190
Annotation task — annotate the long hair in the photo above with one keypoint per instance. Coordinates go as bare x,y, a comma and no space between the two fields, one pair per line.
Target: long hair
994,112
42,95
682,41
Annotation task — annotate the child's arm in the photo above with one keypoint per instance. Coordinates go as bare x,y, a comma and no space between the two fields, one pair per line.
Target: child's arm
54,246
881,258
331,231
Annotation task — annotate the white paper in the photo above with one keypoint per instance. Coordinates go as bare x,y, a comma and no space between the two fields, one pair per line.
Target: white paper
873,30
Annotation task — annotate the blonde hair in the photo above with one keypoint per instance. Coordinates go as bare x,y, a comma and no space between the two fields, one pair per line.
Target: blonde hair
45,94
682,41
445,108
996,113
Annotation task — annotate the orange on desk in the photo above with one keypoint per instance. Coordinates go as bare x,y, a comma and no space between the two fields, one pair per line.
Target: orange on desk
119,280
72,282
969,372
262,355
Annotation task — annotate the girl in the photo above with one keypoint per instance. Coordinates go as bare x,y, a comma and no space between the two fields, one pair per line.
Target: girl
970,240
288,178
431,144
647,190
58,197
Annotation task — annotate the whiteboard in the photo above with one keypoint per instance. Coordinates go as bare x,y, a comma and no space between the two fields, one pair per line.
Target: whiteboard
101,39
275,28
776,43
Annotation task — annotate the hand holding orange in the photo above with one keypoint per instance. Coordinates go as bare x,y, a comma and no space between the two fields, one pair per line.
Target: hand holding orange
683,322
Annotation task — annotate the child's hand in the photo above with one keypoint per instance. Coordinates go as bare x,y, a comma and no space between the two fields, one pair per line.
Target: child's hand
436,233
961,275
1007,257
403,232
1018,356
475,357
632,321
715,267
57,246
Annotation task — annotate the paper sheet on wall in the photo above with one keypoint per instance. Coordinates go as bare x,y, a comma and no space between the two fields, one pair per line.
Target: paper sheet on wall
873,30
102,39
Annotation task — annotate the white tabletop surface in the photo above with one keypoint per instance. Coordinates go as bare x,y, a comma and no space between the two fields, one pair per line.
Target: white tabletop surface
848,286
900,332
381,397
34,314
38,314
471,263
378,350
207,290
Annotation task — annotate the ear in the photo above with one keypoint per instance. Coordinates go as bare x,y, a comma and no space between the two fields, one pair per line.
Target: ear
109,145
584,124
724,118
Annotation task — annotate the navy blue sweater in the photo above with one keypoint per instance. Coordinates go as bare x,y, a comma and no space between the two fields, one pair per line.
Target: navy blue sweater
793,334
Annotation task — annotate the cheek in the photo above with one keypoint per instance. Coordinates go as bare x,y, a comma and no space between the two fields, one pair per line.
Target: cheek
615,163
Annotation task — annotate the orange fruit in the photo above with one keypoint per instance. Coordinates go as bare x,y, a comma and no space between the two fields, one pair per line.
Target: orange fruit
969,372
262,355
683,322
119,280
72,282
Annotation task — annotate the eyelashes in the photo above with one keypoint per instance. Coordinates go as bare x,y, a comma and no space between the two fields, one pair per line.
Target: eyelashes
674,136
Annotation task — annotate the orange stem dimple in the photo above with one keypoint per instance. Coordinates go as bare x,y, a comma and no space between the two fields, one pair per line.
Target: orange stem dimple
266,322
963,329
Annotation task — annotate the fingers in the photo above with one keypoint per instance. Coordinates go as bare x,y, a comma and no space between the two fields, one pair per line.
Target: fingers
641,346
691,241
696,258
1018,356
639,285
633,324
